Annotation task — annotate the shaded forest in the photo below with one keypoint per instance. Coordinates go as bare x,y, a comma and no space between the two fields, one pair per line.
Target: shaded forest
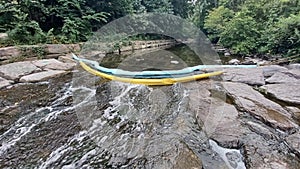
244,26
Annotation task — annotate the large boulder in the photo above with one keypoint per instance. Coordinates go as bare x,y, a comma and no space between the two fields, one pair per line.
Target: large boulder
249,100
217,119
294,66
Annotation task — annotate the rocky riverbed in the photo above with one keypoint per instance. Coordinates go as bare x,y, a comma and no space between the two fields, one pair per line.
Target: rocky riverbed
51,118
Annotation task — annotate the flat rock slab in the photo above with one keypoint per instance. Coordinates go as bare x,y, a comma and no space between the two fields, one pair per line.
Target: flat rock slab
253,102
14,71
53,64
289,92
41,76
4,82
270,70
284,77
251,76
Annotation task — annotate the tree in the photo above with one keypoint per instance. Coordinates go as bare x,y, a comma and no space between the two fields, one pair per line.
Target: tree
181,8
241,35
216,22
201,10
160,6
29,22
284,36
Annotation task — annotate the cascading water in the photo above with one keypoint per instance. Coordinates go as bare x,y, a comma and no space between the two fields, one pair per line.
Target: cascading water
134,127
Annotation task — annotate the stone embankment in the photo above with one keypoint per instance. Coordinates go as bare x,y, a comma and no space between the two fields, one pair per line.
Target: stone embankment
50,51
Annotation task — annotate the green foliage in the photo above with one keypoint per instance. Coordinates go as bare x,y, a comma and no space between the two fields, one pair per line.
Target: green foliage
181,8
160,6
200,11
44,21
241,35
216,22
255,26
287,40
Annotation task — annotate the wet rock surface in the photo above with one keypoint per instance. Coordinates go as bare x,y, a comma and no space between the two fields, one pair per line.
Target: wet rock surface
85,122
32,71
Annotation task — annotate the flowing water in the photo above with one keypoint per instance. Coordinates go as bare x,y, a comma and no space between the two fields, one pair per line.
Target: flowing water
81,121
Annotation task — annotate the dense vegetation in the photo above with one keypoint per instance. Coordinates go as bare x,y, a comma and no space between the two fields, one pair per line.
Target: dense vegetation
256,26
245,26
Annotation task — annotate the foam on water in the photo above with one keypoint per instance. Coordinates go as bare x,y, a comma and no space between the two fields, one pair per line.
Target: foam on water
57,154
232,157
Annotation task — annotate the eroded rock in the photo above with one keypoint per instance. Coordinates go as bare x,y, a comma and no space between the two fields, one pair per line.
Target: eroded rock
66,58
251,101
294,66
295,113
